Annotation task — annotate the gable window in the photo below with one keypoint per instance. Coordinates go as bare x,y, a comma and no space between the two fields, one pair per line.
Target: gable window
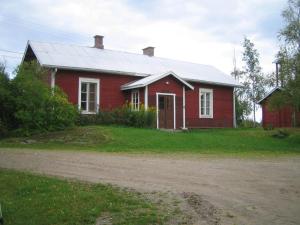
135,100
205,103
88,95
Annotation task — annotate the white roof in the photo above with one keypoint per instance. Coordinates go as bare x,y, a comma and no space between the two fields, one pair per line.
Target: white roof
93,59
152,78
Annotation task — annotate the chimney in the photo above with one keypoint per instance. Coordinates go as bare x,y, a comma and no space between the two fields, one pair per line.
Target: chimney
149,51
99,42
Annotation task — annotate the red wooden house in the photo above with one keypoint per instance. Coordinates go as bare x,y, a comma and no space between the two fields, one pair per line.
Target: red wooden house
185,95
276,118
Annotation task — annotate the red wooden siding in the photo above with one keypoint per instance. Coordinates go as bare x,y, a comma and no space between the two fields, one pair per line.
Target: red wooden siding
111,95
222,107
277,118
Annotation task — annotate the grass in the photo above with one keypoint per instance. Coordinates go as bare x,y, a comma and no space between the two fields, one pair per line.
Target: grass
136,140
35,200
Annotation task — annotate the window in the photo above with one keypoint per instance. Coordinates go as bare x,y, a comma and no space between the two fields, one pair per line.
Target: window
206,103
88,96
135,100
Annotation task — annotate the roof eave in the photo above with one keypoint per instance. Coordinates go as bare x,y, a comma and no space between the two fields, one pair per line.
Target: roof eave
213,83
96,70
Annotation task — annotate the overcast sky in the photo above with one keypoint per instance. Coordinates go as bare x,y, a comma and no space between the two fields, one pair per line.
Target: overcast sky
201,31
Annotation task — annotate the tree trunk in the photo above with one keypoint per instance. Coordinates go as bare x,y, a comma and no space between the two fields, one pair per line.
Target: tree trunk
254,121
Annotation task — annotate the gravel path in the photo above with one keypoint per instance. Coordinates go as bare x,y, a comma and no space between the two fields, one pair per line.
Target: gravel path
246,191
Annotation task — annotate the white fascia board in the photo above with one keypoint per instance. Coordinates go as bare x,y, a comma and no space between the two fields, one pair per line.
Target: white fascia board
268,94
214,83
126,87
96,70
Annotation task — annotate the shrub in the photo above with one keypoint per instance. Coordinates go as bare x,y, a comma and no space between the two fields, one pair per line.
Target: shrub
6,101
3,129
37,106
121,116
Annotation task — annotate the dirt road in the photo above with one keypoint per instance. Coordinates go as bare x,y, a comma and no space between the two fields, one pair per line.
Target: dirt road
246,191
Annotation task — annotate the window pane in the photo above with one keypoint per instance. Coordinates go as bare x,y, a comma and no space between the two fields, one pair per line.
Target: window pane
92,87
92,97
83,87
202,103
161,101
92,107
202,110
207,111
83,97
83,105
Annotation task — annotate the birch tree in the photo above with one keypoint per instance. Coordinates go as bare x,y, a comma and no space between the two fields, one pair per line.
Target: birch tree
253,80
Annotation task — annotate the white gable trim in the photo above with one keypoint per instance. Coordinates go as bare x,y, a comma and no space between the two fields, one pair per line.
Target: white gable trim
268,94
148,80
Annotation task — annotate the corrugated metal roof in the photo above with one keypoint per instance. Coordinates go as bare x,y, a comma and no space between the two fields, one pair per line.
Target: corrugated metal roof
93,59
152,78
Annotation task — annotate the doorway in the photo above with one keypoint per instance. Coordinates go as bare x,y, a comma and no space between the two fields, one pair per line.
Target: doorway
166,111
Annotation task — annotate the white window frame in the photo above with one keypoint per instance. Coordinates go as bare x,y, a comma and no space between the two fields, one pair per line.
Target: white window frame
89,80
133,106
211,99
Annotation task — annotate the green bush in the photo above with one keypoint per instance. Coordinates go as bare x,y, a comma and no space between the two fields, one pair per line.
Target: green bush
37,106
6,102
3,129
121,116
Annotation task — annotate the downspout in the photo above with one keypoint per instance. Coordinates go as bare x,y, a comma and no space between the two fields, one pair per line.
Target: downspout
146,97
183,108
234,114
53,73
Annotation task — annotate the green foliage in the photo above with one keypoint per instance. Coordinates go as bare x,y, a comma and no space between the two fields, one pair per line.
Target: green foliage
289,60
6,102
242,104
253,81
121,116
37,107
35,200
291,32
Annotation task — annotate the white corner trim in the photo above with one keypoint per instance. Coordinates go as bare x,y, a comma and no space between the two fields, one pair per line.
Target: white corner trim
146,97
205,90
234,113
53,73
183,108
89,80
174,108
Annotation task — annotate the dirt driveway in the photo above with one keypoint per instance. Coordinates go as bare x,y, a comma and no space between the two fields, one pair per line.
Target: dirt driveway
246,191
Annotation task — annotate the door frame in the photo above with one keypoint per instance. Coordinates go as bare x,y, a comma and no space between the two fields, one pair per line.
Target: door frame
174,108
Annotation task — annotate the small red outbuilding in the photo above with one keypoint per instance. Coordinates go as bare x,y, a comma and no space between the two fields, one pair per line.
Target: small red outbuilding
276,118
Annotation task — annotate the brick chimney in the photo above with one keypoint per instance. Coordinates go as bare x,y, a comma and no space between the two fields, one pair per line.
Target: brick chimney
149,51
99,42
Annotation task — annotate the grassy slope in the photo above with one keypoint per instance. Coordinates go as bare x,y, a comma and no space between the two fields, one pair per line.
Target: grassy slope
122,139
36,200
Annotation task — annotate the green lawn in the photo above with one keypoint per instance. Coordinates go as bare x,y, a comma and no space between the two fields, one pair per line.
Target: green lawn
135,140
35,200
